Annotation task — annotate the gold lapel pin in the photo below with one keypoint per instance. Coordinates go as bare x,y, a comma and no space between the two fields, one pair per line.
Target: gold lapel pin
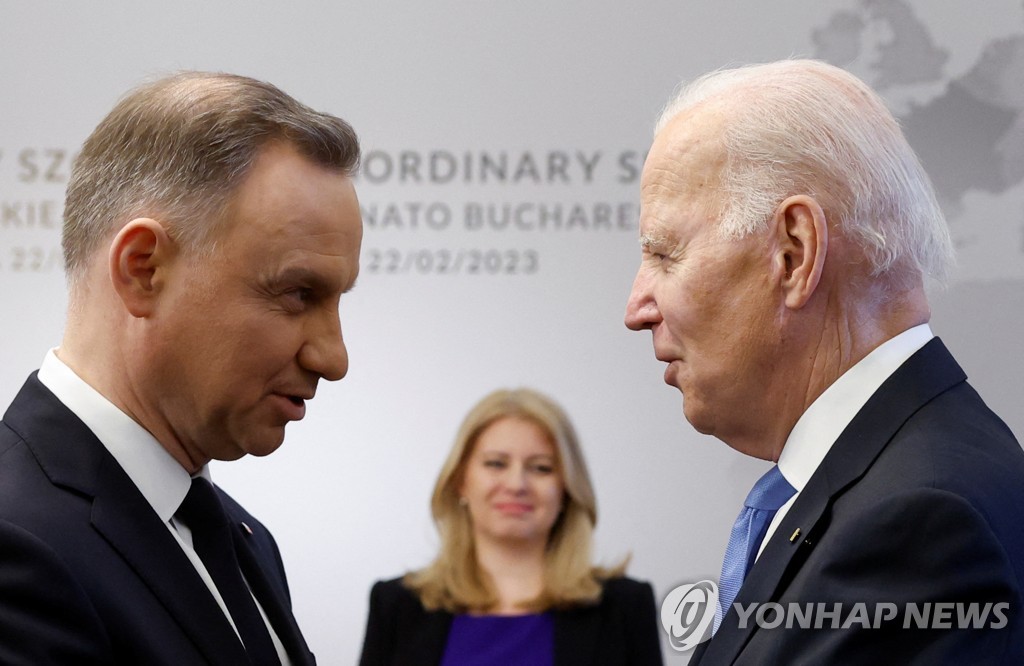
796,534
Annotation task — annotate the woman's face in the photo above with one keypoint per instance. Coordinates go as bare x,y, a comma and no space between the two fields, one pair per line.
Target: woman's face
512,483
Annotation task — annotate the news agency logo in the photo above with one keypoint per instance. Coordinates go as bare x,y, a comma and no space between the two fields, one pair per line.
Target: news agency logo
860,615
688,614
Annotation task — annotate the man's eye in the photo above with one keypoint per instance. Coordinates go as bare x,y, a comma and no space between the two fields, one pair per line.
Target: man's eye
298,297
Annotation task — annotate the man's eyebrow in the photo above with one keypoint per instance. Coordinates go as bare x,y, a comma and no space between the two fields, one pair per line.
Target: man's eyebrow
293,274
302,276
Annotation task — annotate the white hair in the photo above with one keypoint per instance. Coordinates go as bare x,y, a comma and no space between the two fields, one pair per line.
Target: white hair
806,127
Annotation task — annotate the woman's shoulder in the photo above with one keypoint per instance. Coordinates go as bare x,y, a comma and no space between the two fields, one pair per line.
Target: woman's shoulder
392,592
625,588
391,584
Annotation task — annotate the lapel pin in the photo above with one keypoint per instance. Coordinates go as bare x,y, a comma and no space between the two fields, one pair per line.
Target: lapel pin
247,529
792,539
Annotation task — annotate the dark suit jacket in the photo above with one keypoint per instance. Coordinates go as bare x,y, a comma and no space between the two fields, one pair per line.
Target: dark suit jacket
620,630
90,575
921,499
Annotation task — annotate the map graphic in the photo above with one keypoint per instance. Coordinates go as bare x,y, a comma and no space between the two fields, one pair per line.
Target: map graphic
965,122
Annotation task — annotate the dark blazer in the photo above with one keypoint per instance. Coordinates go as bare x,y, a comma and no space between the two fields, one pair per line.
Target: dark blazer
921,499
620,630
90,575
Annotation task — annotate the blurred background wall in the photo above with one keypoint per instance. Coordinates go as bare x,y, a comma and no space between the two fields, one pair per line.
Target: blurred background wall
502,149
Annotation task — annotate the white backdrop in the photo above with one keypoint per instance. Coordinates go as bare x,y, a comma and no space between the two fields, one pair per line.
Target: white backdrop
502,145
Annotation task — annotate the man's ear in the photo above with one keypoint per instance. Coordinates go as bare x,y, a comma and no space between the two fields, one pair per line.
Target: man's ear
140,256
801,246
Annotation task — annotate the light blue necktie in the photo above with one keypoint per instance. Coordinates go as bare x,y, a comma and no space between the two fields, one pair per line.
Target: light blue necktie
769,493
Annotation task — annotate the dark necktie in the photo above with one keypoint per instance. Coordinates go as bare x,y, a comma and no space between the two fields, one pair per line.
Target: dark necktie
211,538
769,493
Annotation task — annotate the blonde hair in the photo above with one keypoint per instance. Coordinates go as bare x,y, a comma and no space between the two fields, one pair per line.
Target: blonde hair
454,581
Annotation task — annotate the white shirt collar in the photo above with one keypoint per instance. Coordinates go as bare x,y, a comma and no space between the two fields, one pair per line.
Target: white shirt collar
158,476
820,426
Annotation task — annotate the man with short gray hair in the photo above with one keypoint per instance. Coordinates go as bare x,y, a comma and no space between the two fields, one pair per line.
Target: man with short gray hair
787,231
211,227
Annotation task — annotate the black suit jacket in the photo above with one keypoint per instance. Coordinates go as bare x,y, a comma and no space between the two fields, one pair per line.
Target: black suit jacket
920,500
620,630
89,574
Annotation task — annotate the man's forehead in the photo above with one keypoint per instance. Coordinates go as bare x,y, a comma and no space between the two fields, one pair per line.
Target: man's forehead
685,162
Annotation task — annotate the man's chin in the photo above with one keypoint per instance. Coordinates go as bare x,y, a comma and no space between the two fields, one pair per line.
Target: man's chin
696,417
262,444
265,448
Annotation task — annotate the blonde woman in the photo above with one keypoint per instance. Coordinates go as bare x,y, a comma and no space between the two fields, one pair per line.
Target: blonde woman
514,582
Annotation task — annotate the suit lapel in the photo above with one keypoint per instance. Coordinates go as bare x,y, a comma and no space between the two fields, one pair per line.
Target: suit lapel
423,637
73,458
928,373
272,597
698,654
128,523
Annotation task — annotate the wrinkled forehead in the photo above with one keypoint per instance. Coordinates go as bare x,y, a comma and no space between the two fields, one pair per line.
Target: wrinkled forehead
686,158
682,172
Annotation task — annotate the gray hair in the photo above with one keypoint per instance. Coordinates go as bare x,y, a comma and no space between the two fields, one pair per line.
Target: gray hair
177,148
806,127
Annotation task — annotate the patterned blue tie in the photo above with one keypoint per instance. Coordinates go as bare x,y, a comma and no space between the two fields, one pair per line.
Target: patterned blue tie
769,493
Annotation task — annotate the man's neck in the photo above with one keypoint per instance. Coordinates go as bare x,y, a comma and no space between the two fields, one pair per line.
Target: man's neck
818,351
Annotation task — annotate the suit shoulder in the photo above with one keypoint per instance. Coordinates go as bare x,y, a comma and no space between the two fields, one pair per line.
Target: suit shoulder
626,589
626,585
391,585
393,592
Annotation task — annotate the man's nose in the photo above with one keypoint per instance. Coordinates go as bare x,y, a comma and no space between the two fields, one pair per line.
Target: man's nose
324,352
641,309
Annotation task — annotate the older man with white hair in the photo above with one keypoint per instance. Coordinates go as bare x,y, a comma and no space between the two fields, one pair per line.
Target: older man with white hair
787,232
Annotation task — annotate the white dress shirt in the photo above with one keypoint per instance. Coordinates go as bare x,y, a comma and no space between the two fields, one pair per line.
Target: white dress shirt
162,481
820,426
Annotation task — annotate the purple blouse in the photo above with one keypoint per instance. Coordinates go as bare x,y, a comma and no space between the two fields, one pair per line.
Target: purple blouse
493,640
